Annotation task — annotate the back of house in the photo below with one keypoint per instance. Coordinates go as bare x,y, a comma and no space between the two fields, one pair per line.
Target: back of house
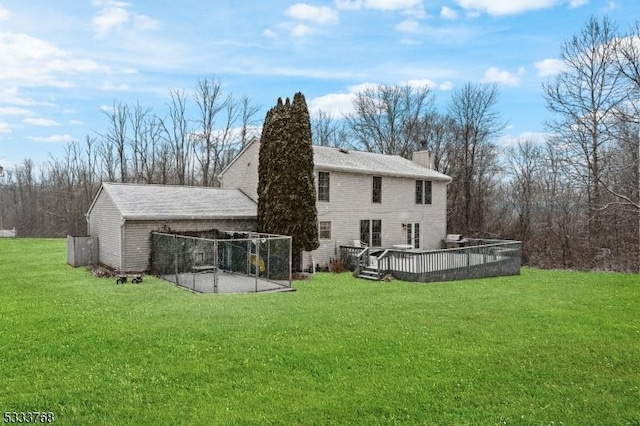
363,198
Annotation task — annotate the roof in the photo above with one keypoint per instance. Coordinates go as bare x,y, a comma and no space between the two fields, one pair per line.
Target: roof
350,161
328,158
171,202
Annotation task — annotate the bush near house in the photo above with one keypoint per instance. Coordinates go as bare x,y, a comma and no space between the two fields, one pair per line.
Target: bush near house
546,347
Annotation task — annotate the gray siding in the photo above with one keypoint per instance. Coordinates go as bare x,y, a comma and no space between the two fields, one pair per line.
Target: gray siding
105,223
137,233
351,201
243,173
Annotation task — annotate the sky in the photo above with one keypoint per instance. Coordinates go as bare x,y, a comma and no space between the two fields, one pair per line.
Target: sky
63,62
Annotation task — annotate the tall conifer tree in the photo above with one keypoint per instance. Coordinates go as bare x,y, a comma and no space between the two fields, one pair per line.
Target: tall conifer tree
286,188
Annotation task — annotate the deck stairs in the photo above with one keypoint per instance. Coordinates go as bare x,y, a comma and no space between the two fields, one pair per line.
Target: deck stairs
370,272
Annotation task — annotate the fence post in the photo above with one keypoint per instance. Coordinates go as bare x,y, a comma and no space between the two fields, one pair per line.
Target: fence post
217,265
257,260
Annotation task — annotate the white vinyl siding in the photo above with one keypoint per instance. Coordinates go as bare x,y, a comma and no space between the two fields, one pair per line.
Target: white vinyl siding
105,222
137,236
351,202
243,173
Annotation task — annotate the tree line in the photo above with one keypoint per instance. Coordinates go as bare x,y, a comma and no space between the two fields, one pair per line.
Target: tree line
573,199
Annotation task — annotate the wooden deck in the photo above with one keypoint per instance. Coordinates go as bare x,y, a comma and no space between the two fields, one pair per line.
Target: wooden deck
482,258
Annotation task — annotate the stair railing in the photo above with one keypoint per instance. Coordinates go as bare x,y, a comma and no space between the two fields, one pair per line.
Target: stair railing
362,260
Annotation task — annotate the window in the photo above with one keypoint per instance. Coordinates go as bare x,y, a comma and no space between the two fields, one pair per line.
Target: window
376,190
323,186
324,232
419,191
371,232
423,192
413,234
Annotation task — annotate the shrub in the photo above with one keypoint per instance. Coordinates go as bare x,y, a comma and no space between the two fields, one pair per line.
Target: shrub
336,265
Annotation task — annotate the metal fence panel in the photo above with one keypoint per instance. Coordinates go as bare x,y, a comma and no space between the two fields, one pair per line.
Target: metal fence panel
239,263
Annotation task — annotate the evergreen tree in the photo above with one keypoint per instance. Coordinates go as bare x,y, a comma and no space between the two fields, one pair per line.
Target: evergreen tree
286,188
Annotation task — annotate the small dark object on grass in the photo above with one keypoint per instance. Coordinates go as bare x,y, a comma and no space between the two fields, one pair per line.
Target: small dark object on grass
387,278
135,279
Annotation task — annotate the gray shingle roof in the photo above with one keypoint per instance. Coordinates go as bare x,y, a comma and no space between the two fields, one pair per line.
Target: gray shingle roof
327,158
148,202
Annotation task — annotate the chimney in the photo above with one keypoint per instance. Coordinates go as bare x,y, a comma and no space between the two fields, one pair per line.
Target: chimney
423,158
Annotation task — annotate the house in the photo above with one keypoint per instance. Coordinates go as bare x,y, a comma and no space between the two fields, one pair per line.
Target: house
122,216
374,199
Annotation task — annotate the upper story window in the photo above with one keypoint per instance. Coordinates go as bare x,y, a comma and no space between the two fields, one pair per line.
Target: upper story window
423,191
376,190
323,186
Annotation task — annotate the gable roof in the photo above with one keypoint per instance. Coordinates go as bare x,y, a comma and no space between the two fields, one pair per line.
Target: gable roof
171,202
328,158
351,161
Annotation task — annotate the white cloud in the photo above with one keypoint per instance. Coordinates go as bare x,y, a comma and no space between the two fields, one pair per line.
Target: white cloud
414,6
108,19
270,34
578,3
32,61
110,87
334,104
52,139
144,22
448,13
338,104
4,13
505,7
4,127
512,140
301,30
408,26
15,111
44,122
611,6
425,82
319,14
114,15
495,75
548,67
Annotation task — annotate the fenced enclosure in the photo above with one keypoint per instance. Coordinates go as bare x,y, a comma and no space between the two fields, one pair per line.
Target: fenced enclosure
234,262
479,259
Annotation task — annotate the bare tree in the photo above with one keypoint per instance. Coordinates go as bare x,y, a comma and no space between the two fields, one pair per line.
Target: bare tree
584,98
177,135
388,118
476,122
326,130
116,136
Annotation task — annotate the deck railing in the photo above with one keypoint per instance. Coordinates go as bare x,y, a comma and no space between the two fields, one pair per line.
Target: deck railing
480,258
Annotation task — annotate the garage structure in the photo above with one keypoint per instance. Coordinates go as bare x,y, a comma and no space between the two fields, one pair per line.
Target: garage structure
122,216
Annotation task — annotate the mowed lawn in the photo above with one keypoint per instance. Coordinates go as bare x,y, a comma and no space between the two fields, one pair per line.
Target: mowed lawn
546,347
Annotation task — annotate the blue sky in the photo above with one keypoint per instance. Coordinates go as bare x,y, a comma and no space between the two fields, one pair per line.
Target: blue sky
62,61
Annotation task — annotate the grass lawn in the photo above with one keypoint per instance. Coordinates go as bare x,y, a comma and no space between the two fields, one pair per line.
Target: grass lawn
546,347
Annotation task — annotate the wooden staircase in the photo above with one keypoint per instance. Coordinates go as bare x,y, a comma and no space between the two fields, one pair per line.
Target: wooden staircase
369,273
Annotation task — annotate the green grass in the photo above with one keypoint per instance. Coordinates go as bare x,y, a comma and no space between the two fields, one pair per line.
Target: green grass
546,347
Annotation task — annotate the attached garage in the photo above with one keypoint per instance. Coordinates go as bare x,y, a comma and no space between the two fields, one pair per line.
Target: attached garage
122,217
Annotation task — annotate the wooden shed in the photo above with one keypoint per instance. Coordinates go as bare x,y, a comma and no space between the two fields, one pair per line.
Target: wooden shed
122,217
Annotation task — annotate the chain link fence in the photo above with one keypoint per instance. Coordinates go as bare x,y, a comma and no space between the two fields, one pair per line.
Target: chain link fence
235,262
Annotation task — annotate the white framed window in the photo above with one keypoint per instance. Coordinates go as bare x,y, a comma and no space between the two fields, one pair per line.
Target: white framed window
371,232
324,186
324,230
